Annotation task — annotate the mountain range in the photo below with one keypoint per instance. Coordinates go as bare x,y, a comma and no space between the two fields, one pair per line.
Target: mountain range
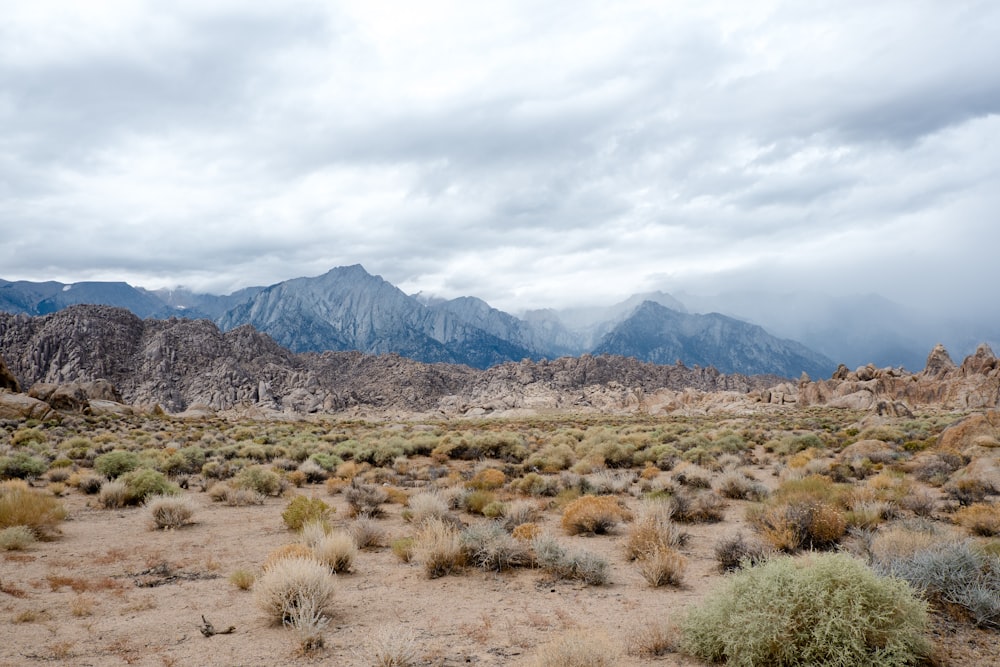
349,309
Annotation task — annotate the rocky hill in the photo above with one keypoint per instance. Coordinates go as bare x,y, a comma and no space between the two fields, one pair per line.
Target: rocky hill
178,363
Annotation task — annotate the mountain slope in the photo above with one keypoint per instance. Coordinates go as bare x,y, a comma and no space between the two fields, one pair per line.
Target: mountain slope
661,335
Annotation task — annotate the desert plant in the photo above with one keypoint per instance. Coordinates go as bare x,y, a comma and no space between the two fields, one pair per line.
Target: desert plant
116,463
303,509
112,494
954,575
233,497
437,546
981,518
242,579
476,501
662,566
697,508
289,583
562,563
653,530
487,479
365,499
578,648
427,505
293,550
526,532
312,532
593,514
653,640
391,646
367,534
21,505
260,479
16,538
738,486
142,483
969,490
313,471
22,465
337,551
518,512
307,619
168,512
402,548
489,547
89,483
737,551
825,609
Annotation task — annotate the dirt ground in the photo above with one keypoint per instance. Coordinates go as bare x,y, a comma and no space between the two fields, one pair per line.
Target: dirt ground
110,591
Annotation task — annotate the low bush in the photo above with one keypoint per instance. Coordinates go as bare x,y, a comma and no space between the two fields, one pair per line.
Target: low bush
116,463
242,579
303,509
293,550
437,546
337,551
652,530
292,583
593,514
955,576
169,512
981,518
22,465
367,534
518,512
489,547
233,497
142,483
562,563
88,483
662,566
578,648
365,499
391,646
736,551
16,538
969,490
21,505
427,505
488,479
112,494
826,609
260,479
737,486
697,508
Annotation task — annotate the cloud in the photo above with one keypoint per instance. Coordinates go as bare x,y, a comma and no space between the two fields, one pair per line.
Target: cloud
532,155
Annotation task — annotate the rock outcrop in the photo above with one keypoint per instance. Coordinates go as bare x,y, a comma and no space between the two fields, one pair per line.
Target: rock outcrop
7,379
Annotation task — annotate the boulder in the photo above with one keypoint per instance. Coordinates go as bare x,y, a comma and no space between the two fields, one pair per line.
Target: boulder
971,431
7,379
22,406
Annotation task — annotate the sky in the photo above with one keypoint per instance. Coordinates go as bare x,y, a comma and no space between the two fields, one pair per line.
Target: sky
553,154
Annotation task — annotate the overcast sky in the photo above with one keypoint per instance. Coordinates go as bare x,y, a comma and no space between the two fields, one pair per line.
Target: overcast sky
529,153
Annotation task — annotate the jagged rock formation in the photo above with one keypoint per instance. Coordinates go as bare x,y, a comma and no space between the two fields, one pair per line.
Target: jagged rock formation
973,385
182,363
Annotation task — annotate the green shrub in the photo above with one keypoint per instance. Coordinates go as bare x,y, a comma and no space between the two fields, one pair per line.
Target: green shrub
22,465
258,478
303,510
143,483
489,547
116,463
826,609
16,538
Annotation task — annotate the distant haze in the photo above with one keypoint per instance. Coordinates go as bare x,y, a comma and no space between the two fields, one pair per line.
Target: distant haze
558,154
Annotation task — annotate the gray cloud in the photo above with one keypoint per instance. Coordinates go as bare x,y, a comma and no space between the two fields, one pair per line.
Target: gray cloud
531,156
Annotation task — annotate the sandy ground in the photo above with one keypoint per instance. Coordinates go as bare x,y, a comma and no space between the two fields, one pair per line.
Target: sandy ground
110,591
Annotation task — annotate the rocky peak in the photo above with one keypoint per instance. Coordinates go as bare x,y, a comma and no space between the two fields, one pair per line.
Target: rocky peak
979,363
939,363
